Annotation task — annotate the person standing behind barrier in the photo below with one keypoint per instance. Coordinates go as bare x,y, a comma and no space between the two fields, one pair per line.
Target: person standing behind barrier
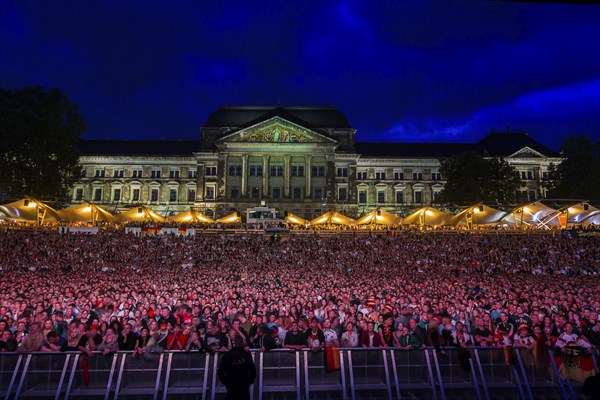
237,371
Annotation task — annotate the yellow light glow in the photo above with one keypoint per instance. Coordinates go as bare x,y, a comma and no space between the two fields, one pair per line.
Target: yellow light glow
475,210
526,209
572,210
140,214
32,204
429,213
379,218
187,218
87,209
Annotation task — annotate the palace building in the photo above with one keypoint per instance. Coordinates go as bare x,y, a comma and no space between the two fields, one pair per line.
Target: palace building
299,159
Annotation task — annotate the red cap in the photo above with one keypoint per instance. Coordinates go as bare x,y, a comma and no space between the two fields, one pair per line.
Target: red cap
93,326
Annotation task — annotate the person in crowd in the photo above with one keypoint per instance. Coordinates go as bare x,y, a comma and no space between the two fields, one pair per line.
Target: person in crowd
370,338
294,338
350,336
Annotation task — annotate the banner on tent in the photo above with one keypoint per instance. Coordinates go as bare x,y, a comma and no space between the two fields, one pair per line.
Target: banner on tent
78,229
581,233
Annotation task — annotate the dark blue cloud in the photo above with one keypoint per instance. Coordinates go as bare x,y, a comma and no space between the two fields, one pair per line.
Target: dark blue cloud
410,70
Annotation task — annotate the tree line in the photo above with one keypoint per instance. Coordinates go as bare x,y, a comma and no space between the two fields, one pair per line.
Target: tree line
40,131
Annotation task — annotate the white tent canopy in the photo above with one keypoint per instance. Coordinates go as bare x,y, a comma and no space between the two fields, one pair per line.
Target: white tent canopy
333,217
86,212
480,214
532,214
428,216
294,219
140,214
29,209
191,216
233,218
379,216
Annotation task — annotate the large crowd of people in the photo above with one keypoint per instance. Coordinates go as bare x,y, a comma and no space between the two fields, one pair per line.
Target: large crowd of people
116,291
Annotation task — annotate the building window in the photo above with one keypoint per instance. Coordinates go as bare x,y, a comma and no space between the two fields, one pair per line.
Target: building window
155,173
297,170
317,171
172,194
117,195
83,173
362,197
235,192
100,173
137,173
135,194
118,173
192,173
318,193
545,175
210,192
380,175
256,170
174,174
361,175
417,176
154,195
255,192
191,195
78,194
437,196
436,176
235,170
523,175
297,193
342,172
276,170
210,171
529,175
381,196
418,197
399,197
276,193
399,176
98,195
342,194
532,195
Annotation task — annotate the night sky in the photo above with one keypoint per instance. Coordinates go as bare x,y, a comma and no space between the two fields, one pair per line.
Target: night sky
412,70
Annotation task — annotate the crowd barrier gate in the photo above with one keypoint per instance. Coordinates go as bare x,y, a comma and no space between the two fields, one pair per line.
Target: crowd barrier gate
383,373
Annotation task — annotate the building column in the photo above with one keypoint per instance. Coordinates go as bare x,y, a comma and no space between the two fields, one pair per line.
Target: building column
265,186
244,174
200,180
286,176
307,173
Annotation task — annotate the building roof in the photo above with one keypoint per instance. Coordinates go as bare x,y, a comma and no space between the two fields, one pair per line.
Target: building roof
494,145
318,117
139,147
412,150
505,144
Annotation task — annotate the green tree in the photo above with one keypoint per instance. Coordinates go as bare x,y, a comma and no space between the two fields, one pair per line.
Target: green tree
577,176
470,178
40,131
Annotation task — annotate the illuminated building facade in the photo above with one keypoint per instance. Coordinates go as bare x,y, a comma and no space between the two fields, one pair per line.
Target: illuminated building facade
299,159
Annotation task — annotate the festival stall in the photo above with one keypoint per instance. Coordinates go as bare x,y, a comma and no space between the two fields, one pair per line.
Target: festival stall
478,214
139,214
427,216
233,218
582,213
380,217
86,213
333,217
190,216
29,209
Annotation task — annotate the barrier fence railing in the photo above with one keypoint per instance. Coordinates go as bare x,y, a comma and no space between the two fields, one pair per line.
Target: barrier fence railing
384,373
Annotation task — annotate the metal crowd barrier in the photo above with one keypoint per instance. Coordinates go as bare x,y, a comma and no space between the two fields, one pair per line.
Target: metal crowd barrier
363,374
